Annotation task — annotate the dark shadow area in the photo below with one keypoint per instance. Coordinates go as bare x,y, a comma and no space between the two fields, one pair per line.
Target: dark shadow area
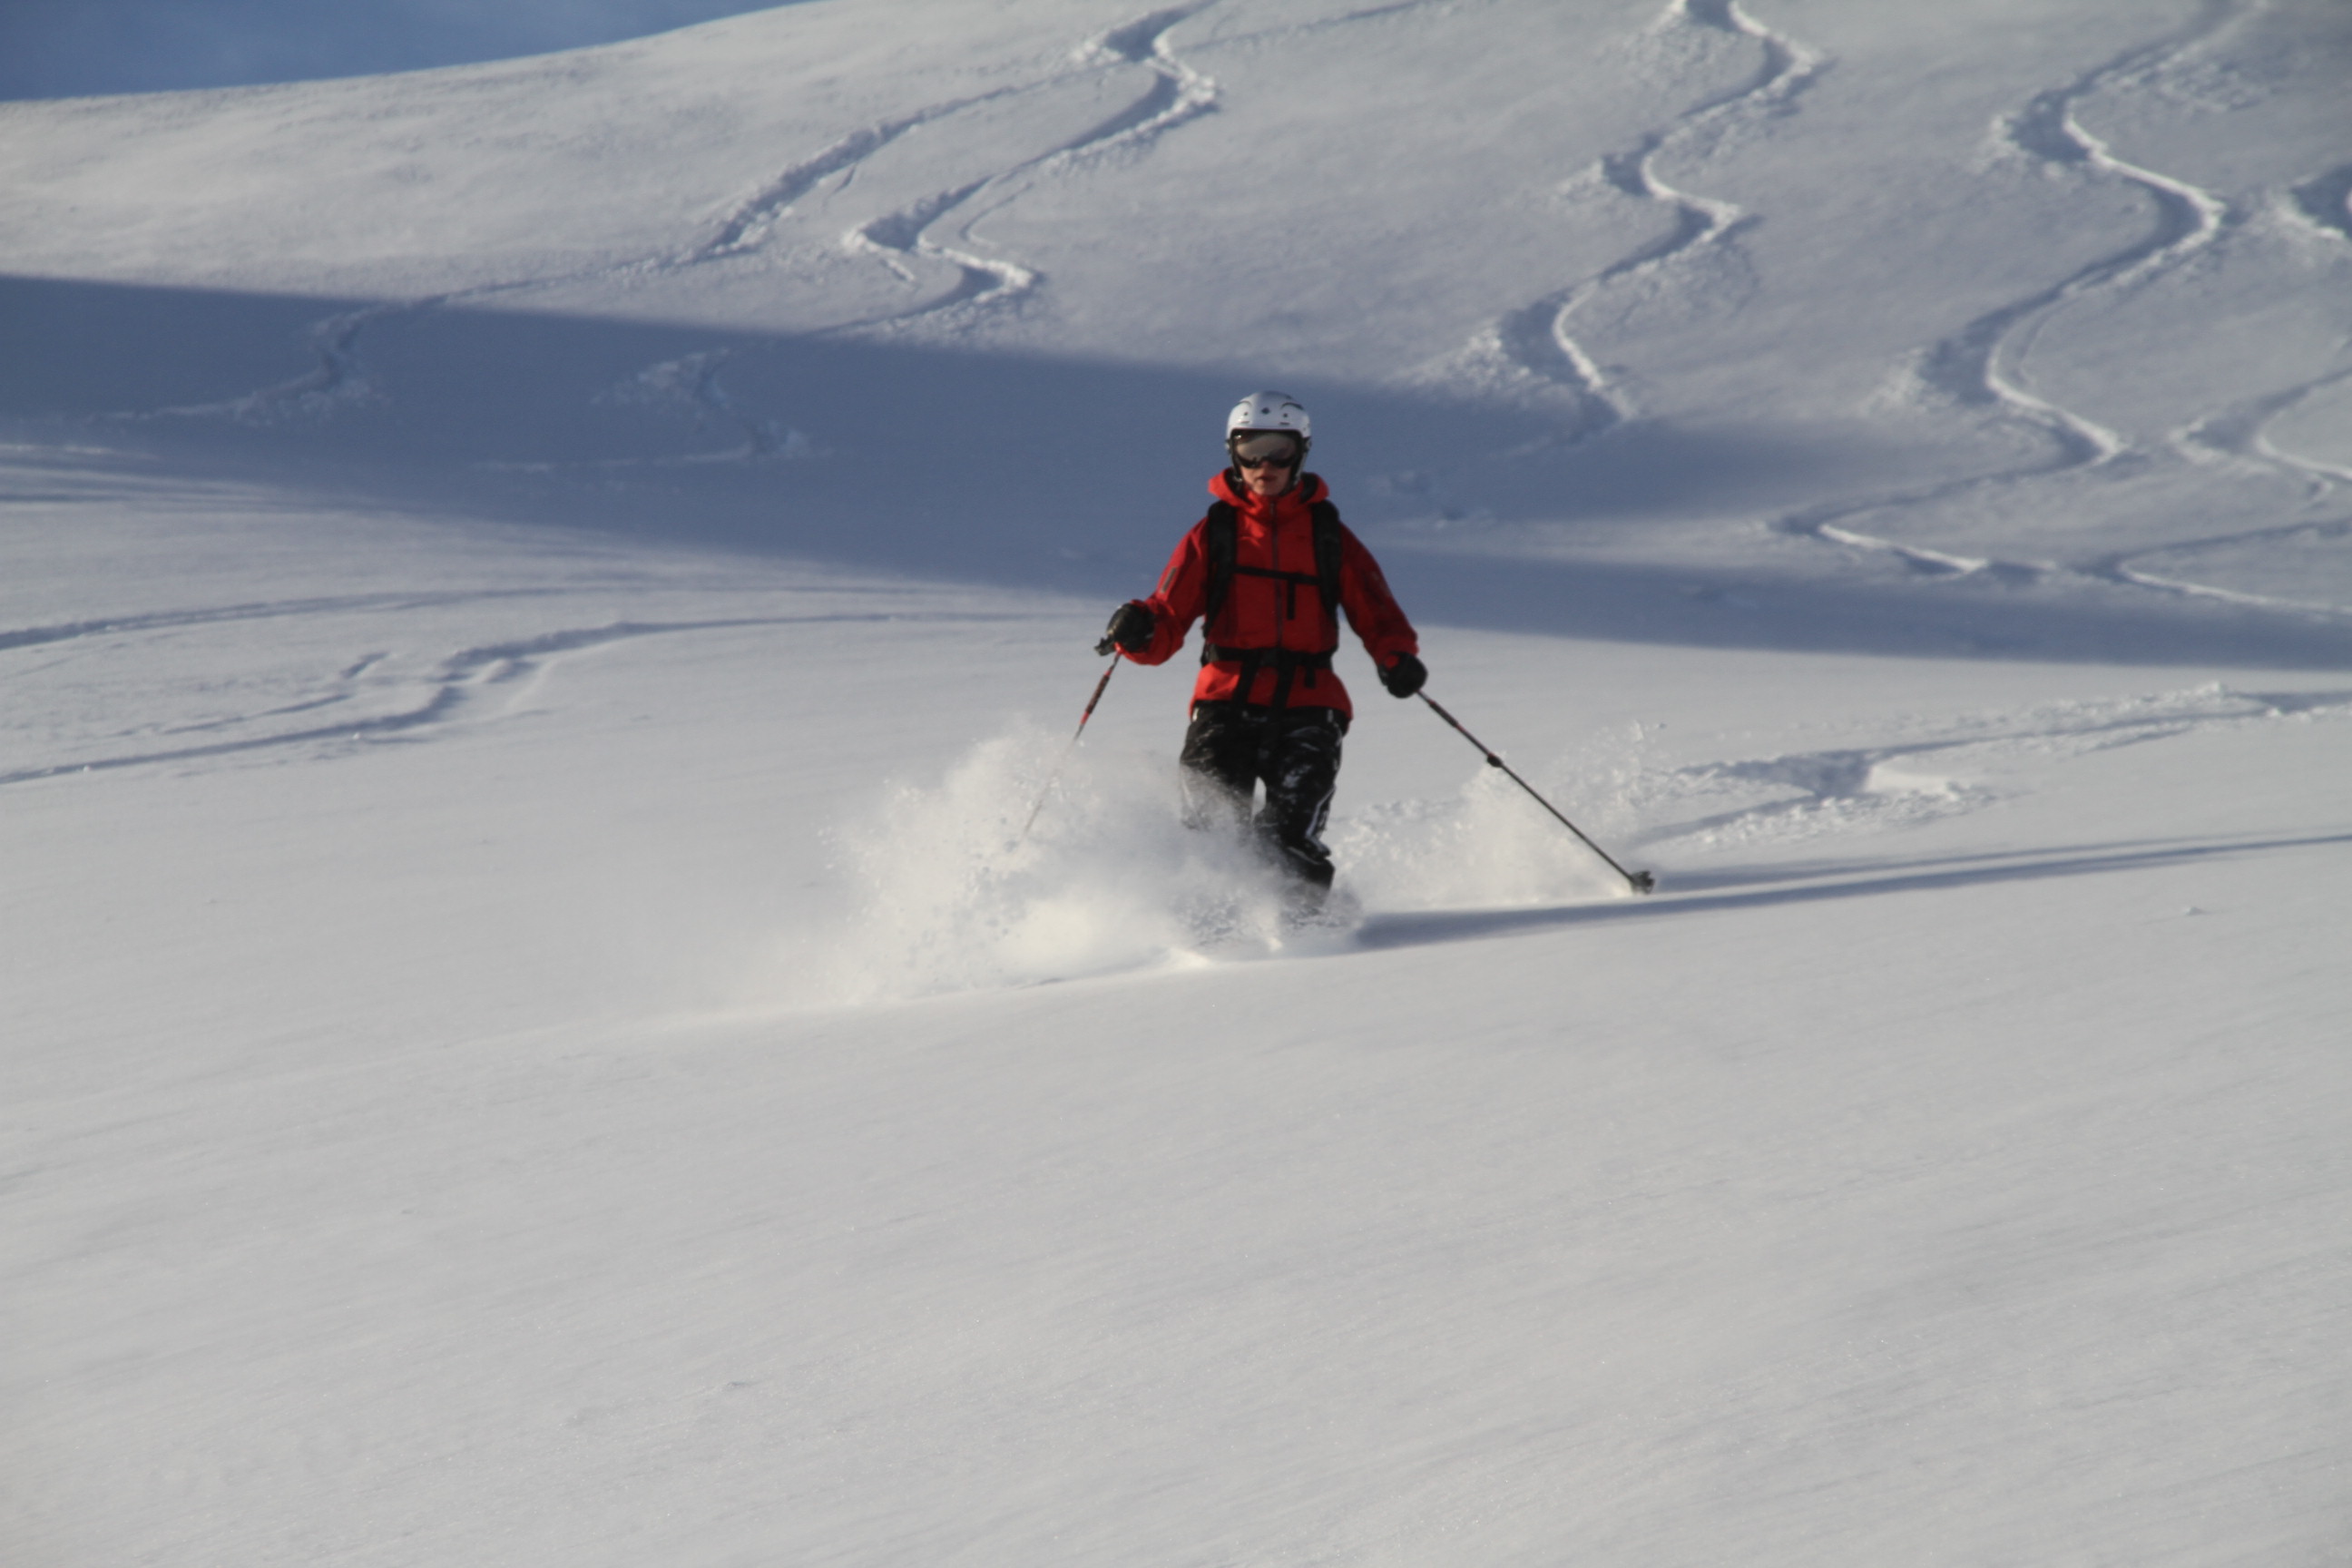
1076,477
1766,889
71,48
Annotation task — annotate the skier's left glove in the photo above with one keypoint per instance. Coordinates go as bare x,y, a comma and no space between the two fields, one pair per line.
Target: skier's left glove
1129,628
1404,676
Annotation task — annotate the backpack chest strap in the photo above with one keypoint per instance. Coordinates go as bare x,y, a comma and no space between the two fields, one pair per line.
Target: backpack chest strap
1286,662
1223,529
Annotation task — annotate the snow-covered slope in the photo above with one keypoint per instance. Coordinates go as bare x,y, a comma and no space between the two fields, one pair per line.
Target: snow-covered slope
538,597
71,48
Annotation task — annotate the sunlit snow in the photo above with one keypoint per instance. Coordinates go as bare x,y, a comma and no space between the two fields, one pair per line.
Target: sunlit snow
539,600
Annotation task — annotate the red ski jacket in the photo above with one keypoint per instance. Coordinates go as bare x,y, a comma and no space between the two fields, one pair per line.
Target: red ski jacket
1272,613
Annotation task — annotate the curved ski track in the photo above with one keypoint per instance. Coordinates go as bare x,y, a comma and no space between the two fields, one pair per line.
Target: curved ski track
1982,362
1179,94
1905,781
2324,202
338,382
459,679
692,381
1981,365
169,620
1535,338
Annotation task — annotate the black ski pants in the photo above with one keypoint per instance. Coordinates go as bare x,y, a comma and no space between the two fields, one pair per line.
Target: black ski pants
1231,748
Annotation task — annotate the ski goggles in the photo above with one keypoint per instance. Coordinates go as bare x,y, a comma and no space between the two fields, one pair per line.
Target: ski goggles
1255,451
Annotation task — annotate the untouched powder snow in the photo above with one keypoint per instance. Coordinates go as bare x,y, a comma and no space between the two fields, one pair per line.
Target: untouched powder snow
538,601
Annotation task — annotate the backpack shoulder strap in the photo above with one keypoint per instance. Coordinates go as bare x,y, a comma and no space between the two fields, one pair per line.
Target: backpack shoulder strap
1223,529
1330,550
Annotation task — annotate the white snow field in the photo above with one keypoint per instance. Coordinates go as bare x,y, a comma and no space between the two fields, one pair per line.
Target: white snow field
535,597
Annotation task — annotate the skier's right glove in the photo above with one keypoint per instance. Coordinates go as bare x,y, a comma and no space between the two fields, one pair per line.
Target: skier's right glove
1129,628
1405,676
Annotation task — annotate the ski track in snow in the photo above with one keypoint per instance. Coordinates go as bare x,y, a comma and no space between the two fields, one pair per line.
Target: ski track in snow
459,679
2324,203
898,239
746,228
2241,433
1840,790
338,382
2120,567
901,238
691,380
162,620
1982,364
1536,338
1978,366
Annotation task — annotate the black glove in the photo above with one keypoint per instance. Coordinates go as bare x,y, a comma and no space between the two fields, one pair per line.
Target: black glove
1129,628
1405,676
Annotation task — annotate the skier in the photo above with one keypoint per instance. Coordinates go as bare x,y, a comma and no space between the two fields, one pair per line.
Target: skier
1267,573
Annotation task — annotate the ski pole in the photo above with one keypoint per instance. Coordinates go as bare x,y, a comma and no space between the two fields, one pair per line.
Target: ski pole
1102,647
1640,881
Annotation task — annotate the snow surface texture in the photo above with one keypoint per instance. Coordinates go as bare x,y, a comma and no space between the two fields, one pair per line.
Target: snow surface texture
538,599
71,48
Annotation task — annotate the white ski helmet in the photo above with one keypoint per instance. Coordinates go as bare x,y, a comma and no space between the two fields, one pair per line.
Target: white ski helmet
1270,411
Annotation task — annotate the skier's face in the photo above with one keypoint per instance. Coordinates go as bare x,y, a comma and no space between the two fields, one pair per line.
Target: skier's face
1269,481
1268,464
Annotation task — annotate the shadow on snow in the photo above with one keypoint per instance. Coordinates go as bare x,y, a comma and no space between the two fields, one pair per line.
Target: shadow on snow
1072,476
1762,889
